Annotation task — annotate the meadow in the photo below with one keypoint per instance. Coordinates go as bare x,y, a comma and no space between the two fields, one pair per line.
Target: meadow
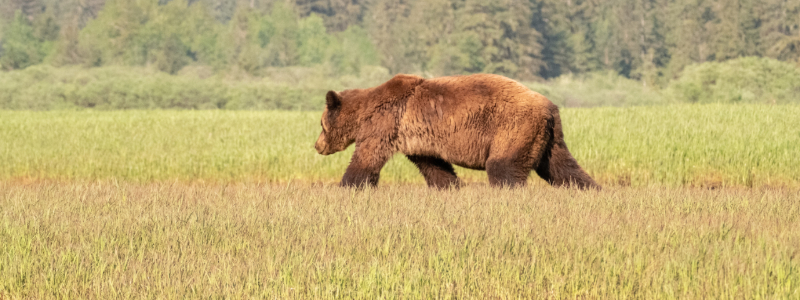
699,201
679,145
296,241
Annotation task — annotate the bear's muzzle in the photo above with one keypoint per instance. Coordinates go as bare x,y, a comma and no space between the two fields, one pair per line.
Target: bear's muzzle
321,145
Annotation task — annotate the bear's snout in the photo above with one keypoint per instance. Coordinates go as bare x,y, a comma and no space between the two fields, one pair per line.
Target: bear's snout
321,145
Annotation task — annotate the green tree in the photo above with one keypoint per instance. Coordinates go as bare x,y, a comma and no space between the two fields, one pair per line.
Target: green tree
338,15
29,9
549,17
780,29
312,41
144,32
240,44
402,30
351,50
21,47
688,38
280,35
204,36
165,37
491,37
728,29
113,38
581,40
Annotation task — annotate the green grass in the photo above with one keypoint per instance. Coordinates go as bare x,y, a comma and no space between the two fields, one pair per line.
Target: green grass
108,240
680,145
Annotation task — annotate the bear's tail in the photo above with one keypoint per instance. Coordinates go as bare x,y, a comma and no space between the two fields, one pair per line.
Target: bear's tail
557,166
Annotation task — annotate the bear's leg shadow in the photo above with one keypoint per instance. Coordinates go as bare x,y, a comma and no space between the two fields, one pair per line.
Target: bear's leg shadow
365,167
437,172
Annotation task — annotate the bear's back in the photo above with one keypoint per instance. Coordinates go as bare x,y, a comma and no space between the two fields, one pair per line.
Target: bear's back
484,89
475,94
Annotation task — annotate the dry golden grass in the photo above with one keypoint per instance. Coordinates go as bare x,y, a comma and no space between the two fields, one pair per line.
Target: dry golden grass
110,240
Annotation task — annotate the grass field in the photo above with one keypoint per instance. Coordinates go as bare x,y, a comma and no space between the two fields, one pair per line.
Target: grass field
174,241
699,201
688,145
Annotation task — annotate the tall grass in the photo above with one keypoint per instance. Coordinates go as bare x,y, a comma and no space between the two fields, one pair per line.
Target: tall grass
698,145
175,241
684,145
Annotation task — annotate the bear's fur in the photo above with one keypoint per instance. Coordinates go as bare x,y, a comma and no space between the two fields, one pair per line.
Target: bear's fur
483,122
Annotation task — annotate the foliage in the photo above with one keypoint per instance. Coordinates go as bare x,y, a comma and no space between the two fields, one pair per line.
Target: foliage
748,80
170,35
677,145
144,33
651,41
311,37
351,51
598,89
21,47
47,88
744,80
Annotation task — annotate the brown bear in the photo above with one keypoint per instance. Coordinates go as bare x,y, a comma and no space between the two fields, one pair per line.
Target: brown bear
483,122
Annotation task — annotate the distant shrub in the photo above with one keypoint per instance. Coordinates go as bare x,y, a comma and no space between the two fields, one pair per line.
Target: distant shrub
597,89
43,87
295,88
746,80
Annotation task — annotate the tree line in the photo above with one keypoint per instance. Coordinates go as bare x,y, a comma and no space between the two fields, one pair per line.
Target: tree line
647,40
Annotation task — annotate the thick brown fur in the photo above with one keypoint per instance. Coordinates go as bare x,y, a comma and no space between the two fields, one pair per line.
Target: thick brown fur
483,122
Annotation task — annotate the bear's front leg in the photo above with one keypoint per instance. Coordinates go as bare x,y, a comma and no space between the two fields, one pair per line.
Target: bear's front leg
365,167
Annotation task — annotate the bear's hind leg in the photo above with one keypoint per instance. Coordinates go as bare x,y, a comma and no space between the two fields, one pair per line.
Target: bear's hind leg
437,172
559,168
507,172
514,154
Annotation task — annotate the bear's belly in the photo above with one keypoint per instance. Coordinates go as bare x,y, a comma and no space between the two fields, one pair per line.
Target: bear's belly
467,153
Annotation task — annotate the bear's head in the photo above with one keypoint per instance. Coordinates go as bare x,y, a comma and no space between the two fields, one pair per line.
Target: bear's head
339,124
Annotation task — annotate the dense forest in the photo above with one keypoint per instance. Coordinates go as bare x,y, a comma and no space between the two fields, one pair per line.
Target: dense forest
647,40
285,54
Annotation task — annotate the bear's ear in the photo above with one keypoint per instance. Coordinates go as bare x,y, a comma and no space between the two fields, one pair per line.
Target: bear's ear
333,100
